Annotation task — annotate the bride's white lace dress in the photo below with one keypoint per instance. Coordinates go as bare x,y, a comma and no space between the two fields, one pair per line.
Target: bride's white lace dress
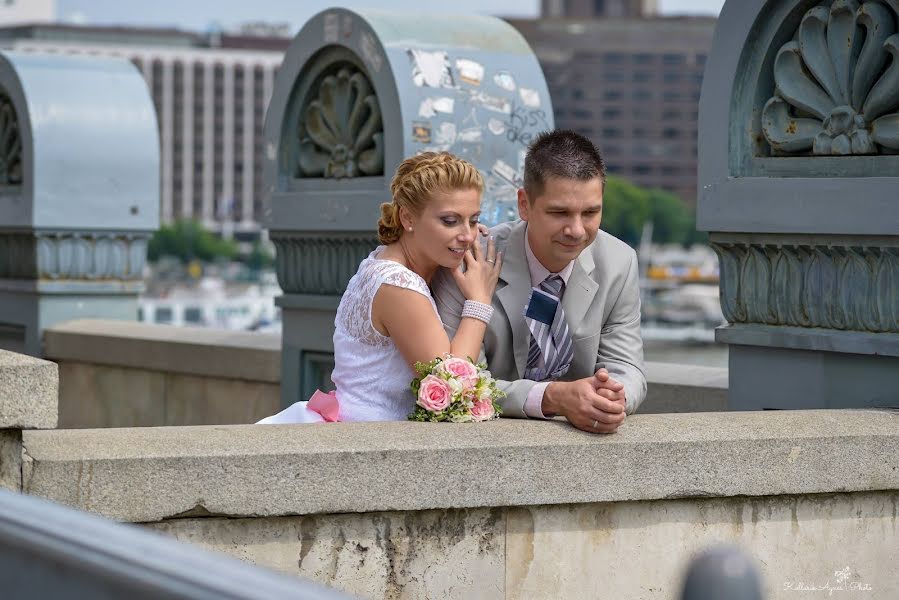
371,376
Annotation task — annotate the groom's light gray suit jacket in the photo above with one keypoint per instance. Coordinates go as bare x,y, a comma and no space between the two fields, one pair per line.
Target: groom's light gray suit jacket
602,307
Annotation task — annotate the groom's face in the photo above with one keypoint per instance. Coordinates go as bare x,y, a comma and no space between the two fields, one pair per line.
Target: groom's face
563,219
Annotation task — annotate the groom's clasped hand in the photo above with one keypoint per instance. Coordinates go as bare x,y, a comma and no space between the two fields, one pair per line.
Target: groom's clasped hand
595,404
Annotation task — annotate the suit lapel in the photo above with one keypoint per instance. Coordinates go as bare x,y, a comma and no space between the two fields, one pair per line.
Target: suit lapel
580,291
514,296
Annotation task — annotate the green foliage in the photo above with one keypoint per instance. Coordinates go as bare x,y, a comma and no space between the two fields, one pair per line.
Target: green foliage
626,207
187,240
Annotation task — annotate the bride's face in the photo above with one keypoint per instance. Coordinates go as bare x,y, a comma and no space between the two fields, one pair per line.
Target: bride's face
447,226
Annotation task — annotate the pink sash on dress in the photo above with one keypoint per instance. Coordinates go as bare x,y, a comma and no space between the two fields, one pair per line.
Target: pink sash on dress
326,405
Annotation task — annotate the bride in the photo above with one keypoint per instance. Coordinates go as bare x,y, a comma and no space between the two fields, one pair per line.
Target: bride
387,319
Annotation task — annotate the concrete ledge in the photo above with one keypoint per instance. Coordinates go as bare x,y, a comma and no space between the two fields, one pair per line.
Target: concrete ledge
144,475
29,389
191,350
806,338
684,388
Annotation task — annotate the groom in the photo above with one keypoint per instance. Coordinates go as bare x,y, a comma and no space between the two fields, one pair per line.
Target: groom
565,334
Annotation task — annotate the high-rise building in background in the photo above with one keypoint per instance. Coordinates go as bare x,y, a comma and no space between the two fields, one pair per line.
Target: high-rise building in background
630,84
210,93
591,9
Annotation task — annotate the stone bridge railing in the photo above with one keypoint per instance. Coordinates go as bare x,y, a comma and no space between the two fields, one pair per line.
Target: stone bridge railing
507,509
121,374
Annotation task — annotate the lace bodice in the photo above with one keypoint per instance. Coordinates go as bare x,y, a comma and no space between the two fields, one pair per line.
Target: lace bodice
371,376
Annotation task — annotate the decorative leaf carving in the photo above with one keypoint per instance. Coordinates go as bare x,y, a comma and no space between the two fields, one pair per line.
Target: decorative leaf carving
837,83
341,132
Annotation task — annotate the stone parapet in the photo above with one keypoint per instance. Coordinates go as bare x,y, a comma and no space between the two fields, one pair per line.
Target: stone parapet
28,392
189,350
152,474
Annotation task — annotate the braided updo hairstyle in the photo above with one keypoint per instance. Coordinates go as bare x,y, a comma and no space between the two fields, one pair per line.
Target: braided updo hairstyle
416,180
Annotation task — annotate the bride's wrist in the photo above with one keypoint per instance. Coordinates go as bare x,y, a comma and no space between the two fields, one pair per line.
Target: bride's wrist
482,311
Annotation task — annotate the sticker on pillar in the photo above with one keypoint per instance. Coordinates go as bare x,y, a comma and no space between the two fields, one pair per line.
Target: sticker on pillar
431,106
431,69
496,127
445,134
370,52
494,103
470,72
470,135
505,172
421,132
332,23
505,80
531,98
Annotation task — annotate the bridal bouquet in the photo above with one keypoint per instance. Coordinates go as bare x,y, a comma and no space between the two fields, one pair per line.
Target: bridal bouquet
456,390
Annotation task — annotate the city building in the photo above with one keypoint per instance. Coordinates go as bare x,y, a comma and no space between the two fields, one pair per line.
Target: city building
630,84
210,93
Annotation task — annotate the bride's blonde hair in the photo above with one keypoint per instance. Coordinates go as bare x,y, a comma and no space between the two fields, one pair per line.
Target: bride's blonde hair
416,180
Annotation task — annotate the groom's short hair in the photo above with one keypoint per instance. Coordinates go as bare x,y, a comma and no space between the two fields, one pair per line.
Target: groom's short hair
563,154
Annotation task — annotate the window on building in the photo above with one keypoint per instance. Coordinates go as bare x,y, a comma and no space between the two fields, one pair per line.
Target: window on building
671,95
612,95
577,94
613,58
642,94
674,59
599,8
579,113
643,58
640,169
642,76
671,133
639,132
671,114
613,76
641,114
611,113
700,59
611,133
672,77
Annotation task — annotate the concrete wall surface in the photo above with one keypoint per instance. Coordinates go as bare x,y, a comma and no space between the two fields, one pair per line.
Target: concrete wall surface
121,374
512,509
621,550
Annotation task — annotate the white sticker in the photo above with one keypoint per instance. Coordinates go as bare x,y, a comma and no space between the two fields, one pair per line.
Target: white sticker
494,103
470,71
505,80
445,134
431,106
444,105
430,68
504,171
470,135
331,27
530,97
496,126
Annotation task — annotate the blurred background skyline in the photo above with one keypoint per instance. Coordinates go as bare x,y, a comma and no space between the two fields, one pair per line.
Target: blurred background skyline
203,15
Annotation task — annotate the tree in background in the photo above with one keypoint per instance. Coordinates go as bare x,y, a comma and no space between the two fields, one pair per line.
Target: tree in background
626,207
186,240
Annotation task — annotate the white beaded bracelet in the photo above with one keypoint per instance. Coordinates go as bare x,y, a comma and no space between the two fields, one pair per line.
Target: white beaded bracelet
477,310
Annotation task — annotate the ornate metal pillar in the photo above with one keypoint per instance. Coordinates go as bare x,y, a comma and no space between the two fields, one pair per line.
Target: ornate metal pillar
79,191
799,173
358,93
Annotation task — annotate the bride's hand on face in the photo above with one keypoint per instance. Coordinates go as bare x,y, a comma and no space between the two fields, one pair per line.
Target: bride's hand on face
481,272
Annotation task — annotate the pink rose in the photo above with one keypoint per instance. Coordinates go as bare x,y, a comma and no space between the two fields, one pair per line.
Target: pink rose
482,410
434,394
463,369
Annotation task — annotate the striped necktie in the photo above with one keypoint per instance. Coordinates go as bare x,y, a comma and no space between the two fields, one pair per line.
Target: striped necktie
550,338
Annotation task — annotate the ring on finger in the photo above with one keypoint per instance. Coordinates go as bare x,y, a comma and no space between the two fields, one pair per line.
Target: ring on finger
492,262
595,423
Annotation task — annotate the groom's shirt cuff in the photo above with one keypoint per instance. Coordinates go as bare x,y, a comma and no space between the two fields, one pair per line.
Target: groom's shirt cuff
533,405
